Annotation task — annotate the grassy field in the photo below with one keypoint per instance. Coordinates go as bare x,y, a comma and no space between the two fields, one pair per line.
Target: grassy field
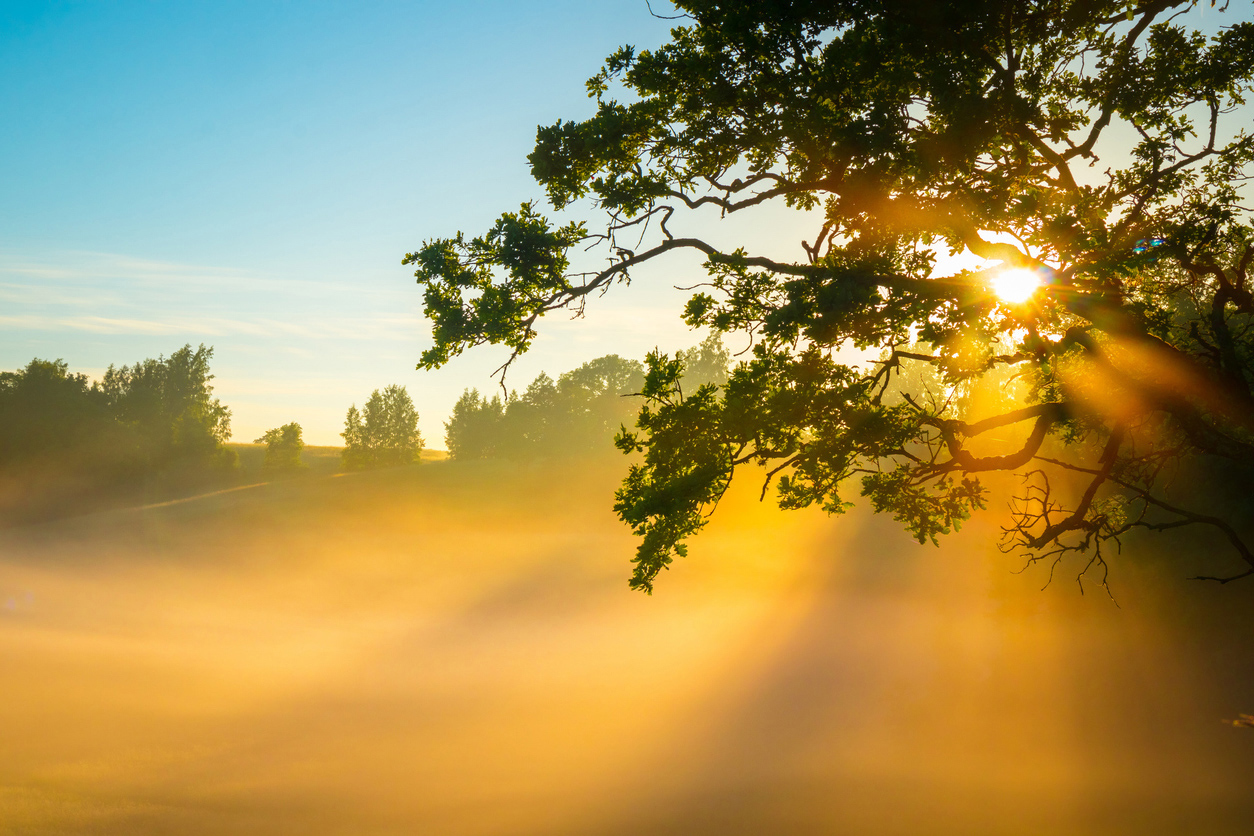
452,649
34,494
320,461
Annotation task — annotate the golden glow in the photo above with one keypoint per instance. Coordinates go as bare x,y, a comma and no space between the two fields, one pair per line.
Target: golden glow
306,658
1016,286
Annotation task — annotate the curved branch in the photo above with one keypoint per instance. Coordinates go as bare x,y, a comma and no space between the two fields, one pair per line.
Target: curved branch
1186,516
1076,520
961,459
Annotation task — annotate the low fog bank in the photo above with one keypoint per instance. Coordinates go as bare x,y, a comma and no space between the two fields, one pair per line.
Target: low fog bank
452,649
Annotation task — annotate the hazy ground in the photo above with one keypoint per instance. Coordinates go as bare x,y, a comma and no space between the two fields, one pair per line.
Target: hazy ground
318,461
453,650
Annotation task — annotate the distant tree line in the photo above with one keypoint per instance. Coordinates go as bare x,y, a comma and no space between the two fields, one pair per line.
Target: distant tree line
148,428
576,415
154,429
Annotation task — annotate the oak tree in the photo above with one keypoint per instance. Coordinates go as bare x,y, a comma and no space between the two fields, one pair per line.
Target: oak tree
1050,194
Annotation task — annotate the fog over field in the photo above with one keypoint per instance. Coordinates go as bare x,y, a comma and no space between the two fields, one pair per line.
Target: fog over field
451,648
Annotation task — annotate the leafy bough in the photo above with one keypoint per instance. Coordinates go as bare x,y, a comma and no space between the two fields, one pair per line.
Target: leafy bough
1098,148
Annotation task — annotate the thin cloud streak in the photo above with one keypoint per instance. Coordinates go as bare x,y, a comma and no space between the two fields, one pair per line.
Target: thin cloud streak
388,328
86,267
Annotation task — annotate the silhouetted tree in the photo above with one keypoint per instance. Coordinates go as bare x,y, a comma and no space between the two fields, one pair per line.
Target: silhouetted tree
67,444
532,422
384,433
594,403
1088,152
708,363
474,430
47,412
575,416
283,448
180,429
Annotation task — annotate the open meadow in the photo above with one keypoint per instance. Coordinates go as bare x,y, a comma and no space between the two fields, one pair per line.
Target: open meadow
452,649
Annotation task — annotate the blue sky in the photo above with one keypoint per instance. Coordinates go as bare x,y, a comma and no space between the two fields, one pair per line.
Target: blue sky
249,175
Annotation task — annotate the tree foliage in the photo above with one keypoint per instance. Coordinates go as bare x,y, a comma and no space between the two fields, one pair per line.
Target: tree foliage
576,416
384,433
283,448
143,430
708,362
47,412
168,406
474,429
1100,145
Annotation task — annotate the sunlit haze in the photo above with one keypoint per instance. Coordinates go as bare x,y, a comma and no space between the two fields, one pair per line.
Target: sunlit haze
420,652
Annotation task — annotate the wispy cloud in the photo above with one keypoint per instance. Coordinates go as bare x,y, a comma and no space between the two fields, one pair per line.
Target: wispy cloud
92,324
358,328
107,293
113,271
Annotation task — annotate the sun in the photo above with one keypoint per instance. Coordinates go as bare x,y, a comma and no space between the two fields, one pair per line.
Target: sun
1016,286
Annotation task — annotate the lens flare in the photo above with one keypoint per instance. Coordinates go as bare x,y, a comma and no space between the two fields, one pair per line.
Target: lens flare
1016,286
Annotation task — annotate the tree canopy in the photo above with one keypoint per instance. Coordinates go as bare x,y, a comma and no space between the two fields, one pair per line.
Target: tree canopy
578,415
142,431
1089,160
47,412
572,416
168,404
154,418
283,448
384,433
